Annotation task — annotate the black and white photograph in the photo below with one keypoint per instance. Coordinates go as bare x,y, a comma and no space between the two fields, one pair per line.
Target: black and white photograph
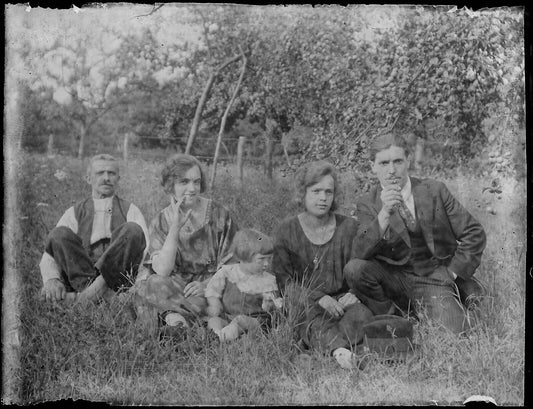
264,205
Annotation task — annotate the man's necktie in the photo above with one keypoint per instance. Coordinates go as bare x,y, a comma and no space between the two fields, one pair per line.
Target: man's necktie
407,216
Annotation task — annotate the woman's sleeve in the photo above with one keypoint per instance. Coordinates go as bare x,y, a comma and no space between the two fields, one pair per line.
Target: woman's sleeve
282,263
227,229
158,232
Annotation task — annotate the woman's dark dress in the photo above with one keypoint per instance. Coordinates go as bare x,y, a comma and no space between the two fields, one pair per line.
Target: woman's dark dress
319,271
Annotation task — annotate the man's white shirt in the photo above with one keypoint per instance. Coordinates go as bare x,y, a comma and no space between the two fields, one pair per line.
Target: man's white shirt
101,230
408,198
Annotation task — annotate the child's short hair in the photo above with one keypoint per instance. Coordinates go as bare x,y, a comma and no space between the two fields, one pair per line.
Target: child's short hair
249,242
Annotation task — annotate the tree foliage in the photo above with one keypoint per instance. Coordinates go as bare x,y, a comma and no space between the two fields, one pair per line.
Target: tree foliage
454,78
434,73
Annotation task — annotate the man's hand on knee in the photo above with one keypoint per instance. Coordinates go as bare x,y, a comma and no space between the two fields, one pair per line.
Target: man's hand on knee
348,299
53,290
446,273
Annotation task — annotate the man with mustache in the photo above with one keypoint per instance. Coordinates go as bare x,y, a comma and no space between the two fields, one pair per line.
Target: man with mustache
98,244
416,244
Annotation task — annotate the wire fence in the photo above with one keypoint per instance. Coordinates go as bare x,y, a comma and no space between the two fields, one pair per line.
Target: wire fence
242,155
258,152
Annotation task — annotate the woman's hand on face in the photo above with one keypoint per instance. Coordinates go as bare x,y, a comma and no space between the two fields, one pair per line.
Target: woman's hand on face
331,305
178,219
194,288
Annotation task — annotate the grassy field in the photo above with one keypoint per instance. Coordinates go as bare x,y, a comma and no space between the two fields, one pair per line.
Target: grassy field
101,354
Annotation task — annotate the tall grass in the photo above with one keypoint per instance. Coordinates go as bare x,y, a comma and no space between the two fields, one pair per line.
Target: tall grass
103,354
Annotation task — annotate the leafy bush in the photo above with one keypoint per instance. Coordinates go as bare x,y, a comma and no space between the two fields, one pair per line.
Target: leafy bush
327,69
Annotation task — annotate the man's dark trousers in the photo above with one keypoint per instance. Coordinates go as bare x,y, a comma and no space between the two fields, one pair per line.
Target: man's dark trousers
117,259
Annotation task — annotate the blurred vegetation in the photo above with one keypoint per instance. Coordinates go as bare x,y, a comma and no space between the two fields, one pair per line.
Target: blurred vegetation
453,79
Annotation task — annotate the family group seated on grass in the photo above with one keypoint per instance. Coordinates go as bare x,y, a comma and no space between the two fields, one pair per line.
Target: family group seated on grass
358,281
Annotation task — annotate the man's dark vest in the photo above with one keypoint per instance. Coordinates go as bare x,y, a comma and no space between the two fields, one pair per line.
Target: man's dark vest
84,213
418,257
421,259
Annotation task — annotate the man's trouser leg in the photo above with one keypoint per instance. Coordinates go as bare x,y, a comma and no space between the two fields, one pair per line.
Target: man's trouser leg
438,294
76,267
376,286
120,262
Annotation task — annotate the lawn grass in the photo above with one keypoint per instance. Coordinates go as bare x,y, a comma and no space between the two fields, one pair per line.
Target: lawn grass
102,354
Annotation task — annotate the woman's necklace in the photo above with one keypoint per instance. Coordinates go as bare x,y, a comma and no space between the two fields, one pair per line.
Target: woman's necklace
317,259
318,235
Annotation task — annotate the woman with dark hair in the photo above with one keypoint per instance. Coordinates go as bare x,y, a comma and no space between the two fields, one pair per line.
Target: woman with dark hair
311,250
189,240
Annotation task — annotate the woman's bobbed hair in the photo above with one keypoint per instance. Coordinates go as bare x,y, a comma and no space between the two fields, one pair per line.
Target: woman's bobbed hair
310,174
175,167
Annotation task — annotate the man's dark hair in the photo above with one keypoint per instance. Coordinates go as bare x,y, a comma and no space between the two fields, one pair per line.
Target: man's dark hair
387,140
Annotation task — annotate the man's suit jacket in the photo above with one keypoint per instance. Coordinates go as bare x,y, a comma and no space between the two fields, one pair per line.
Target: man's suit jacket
452,234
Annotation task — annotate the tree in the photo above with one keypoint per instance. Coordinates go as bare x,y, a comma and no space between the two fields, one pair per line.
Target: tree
77,69
342,74
89,64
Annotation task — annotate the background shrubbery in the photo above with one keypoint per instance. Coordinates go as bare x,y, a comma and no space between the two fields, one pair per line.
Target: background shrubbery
453,80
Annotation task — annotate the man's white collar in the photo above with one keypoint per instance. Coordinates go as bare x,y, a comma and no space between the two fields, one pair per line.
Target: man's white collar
104,203
406,190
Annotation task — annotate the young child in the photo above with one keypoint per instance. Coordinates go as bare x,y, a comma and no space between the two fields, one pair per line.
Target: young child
239,291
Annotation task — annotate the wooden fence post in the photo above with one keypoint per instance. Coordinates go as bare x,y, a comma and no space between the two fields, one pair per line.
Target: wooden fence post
268,157
240,159
50,147
125,151
419,153
223,121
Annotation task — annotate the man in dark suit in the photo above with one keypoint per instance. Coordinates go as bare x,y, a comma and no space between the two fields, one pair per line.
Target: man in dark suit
416,244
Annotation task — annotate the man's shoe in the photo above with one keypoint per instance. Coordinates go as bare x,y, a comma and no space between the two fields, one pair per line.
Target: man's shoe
471,291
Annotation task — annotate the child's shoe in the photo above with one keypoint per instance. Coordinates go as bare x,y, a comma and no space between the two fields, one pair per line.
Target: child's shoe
348,360
229,333
174,319
70,298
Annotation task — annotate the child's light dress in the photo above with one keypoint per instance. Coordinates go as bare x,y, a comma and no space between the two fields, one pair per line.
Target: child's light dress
242,293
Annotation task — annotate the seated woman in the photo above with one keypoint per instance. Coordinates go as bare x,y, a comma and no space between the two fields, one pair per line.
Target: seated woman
245,292
189,240
311,250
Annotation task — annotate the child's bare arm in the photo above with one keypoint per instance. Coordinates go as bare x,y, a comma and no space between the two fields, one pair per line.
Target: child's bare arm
214,306
271,300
